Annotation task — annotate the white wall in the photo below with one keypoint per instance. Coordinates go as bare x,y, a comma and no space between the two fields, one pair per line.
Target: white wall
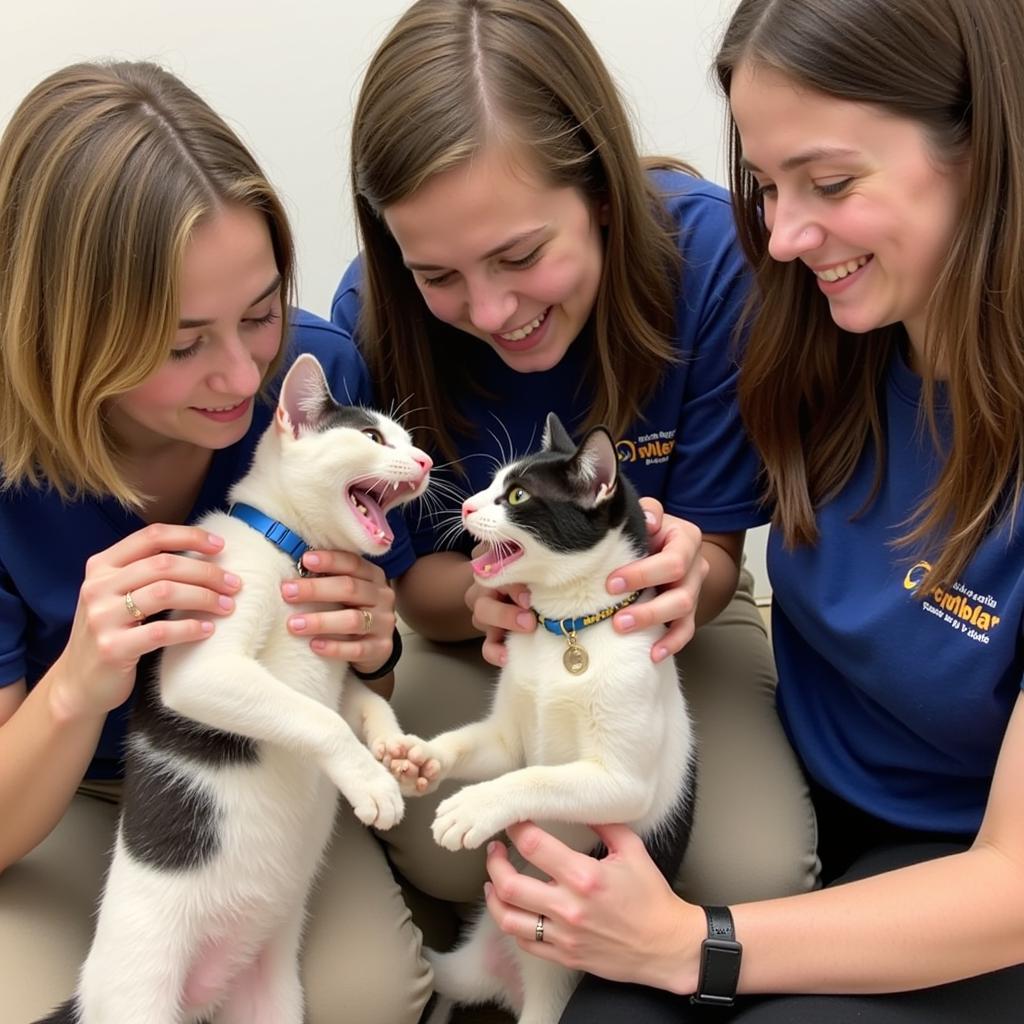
286,76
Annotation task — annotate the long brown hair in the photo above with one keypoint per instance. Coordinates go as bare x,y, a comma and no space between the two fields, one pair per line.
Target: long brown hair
105,170
448,79
810,392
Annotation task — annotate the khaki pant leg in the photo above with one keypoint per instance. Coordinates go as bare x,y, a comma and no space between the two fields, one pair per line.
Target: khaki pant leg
361,953
48,902
438,687
754,833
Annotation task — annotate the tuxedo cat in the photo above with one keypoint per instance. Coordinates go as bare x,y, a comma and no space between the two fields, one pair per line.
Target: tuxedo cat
237,749
584,727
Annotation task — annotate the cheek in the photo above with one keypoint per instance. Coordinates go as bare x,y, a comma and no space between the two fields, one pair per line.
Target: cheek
445,305
168,388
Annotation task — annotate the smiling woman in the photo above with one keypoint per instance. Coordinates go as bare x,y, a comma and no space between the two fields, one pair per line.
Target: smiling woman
144,311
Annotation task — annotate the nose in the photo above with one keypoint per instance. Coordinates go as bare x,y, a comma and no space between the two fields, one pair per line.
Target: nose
792,231
491,306
237,373
423,460
468,508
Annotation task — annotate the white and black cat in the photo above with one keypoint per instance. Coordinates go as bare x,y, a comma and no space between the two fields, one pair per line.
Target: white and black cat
584,727
237,750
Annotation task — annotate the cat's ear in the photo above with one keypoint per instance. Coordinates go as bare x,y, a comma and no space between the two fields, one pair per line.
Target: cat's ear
595,467
556,438
304,394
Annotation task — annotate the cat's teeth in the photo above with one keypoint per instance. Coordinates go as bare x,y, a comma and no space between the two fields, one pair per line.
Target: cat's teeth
362,509
381,534
395,486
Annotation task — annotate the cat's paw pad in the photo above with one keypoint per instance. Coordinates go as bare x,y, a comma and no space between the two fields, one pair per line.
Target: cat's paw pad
375,796
466,820
411,761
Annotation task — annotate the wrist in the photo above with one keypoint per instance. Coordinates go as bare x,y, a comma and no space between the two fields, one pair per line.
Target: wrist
677,963
65,701
720,957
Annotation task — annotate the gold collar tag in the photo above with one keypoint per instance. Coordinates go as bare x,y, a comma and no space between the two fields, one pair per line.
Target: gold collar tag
575,658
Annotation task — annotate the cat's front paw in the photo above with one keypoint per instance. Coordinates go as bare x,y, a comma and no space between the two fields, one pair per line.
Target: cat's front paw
374,795
469,818
412,761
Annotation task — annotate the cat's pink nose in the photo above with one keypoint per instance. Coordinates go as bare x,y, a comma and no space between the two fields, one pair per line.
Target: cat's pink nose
424,461
468,508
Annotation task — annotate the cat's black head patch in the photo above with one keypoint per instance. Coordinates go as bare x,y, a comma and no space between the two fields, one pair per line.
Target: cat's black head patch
571,496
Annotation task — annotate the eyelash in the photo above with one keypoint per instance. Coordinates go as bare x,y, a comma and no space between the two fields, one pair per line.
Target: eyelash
527,261
254,322
834,189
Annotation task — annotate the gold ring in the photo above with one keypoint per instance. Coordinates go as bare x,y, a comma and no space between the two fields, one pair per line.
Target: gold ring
367,620
133,609
538,931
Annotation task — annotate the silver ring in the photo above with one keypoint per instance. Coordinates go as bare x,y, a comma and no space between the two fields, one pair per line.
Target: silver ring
367,620
133,609
538,931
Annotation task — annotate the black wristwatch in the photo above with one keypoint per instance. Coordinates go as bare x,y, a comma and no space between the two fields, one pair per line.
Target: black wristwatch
720,956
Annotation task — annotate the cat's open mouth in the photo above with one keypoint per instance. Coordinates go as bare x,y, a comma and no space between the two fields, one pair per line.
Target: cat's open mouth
496,557
371,505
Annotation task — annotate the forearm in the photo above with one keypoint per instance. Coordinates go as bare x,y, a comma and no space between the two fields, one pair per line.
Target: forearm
917,927
45,749
720,583
431,597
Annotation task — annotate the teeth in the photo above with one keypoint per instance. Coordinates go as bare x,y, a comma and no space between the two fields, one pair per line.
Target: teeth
842,270
526,330
381,535
221,408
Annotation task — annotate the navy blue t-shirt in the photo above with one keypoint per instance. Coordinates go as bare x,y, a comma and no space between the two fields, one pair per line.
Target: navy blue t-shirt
897,701
688,449
45,543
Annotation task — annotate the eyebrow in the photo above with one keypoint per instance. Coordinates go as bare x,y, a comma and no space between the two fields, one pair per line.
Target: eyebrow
807,157
269,290
496,251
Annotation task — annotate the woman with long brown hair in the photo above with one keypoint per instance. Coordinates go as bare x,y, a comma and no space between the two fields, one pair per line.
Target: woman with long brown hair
878,177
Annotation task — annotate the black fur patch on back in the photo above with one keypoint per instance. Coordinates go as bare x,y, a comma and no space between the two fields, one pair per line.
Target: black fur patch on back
174,734
166,823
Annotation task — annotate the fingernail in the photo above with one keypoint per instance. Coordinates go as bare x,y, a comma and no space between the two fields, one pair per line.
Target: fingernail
659,654
225,602
319,645
231,580
650,517
503,657
214,539
523,600
291,589
488,888
525,620
625,622
491,847
206,626
616,585
312,561
297,623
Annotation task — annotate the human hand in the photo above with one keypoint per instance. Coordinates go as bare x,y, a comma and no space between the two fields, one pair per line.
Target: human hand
412,761
616,917
359,624
498,611
148,573
676,567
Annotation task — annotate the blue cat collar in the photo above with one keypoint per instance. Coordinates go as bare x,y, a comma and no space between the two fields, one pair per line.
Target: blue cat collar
564,627
276,532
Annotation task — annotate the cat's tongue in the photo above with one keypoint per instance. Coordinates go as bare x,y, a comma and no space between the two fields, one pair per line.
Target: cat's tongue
495,558
372,517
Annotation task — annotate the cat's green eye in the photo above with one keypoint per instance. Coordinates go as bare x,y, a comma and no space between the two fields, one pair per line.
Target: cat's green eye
374,435
517,495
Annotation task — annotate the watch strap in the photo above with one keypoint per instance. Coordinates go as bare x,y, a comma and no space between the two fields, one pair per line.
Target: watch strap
720,956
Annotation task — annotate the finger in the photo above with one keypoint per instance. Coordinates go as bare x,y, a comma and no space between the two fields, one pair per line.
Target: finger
669,606
552,856
521,924
154,538
674,640
653,513
348,624
516,890
501,613
367,655
343,563
620,840
494,651
165,596
352,591
151,636
169,567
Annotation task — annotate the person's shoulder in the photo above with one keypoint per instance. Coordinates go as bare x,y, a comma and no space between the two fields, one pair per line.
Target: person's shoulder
334,350
682,191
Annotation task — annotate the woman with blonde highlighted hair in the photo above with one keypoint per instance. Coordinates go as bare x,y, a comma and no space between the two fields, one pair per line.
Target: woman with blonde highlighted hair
146,269
521,257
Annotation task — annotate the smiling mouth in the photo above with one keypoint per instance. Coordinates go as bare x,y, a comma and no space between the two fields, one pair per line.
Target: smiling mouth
521,333
498,555
842,270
